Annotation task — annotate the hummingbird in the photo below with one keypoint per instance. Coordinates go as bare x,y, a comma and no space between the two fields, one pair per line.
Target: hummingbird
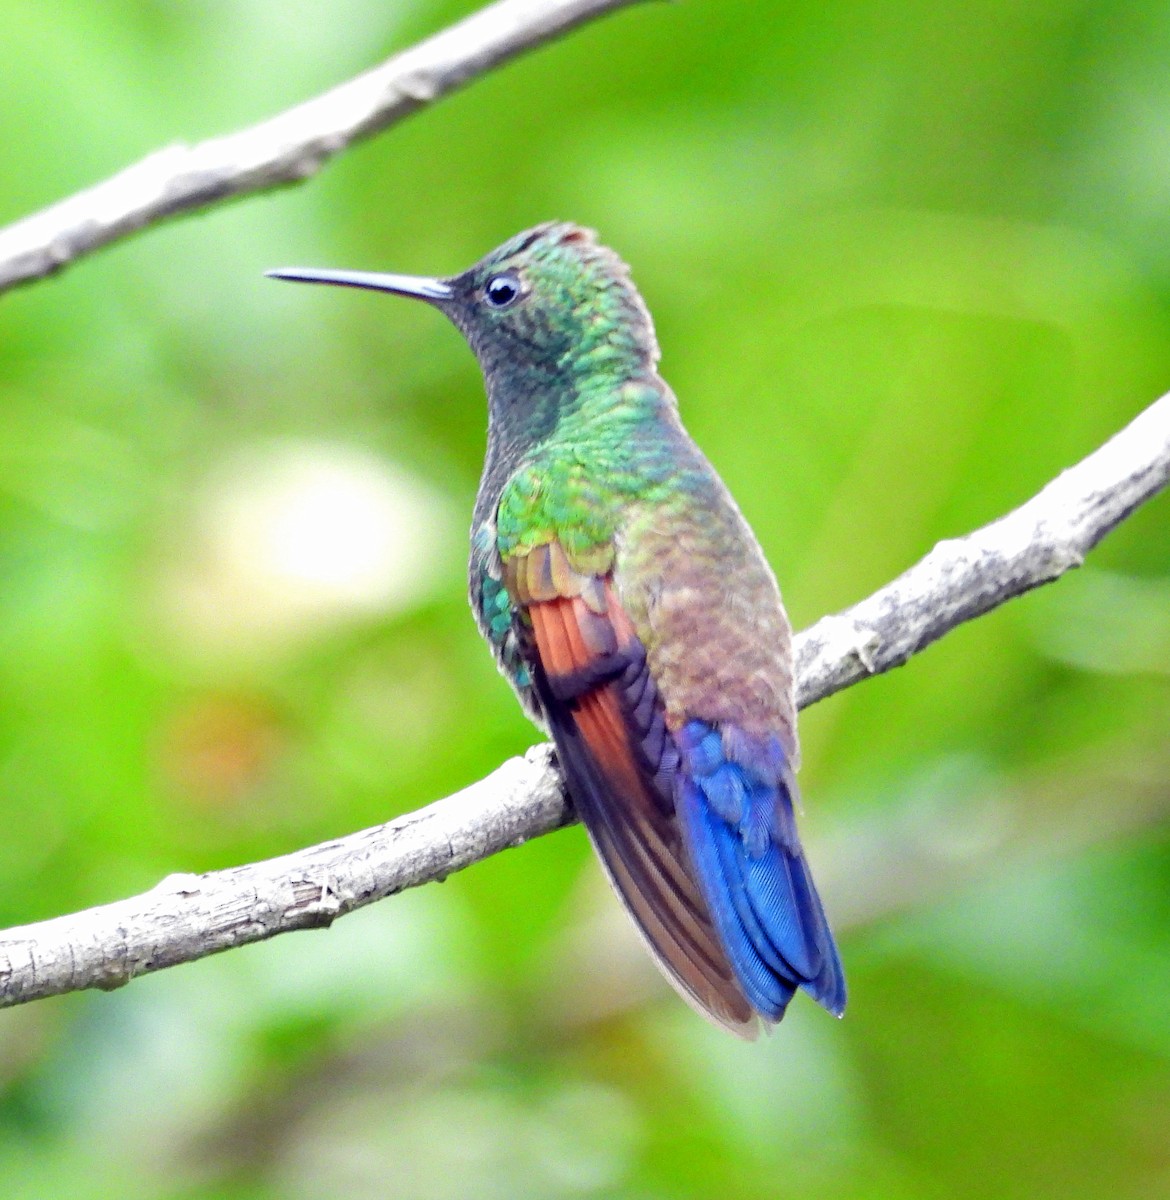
630,606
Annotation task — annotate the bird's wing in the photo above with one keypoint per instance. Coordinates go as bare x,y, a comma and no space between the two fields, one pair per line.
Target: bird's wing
706,607
693,819
498,618
621,762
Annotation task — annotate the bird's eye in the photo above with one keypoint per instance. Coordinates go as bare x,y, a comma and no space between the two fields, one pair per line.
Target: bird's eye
502,290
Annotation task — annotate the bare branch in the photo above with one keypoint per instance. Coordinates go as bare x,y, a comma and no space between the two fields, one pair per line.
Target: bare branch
189,916
965,577
286,148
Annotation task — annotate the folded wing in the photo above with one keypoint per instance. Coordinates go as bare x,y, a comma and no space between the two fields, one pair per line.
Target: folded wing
700,846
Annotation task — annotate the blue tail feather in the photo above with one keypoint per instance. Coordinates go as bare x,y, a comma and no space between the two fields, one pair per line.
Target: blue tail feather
764,987
724,789
735,800
731,859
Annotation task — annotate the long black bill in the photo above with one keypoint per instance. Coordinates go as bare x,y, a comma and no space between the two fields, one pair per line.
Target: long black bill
418,286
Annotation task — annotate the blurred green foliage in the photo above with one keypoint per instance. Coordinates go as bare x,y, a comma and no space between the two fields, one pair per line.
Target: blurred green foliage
907,261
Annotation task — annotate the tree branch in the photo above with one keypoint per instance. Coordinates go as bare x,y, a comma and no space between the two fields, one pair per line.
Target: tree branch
188,916
286,148
965,577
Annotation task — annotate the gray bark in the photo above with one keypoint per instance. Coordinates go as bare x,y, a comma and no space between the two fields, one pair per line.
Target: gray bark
289,147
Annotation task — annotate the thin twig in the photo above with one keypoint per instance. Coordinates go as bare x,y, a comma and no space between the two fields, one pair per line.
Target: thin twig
189,916
286,148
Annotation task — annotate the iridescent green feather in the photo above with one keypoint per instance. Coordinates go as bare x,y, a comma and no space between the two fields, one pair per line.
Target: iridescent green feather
578,485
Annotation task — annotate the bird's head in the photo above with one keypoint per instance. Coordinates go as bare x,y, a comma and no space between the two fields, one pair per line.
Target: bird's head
546,308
